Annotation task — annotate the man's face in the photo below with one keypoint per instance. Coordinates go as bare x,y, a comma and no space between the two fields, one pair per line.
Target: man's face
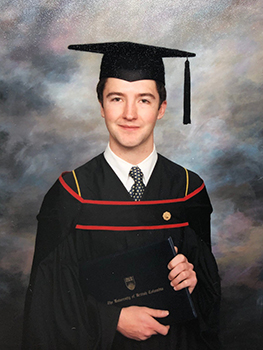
131,110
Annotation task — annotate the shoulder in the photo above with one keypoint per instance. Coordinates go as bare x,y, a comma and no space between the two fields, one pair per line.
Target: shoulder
181,175
64,190
57,201
82,177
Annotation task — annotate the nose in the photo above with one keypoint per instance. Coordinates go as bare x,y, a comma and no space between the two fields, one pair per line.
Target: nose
130,111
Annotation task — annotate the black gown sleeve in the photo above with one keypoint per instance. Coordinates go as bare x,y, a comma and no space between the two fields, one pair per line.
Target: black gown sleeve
199,209
57,315
197,247
207,293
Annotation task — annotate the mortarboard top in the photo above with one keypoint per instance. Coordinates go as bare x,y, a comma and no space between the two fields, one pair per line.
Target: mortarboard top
132,61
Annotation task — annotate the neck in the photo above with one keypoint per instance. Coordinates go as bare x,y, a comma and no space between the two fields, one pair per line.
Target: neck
131,155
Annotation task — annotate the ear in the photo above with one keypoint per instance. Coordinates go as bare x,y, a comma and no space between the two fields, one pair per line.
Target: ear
102,111
162,110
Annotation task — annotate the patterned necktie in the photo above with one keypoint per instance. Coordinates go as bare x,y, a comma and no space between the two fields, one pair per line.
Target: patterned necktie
138,187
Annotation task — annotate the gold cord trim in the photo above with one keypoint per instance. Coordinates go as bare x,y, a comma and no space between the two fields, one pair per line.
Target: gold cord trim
187,182
76,181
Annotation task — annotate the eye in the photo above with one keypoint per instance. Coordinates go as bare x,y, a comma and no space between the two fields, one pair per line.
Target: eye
145,101
116,99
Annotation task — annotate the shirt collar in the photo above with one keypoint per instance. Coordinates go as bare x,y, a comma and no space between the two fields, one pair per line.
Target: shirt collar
122,168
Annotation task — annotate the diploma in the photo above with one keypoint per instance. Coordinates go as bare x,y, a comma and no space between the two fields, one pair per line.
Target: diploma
138,277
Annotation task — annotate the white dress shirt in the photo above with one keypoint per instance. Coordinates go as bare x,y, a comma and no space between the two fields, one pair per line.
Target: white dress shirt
122,168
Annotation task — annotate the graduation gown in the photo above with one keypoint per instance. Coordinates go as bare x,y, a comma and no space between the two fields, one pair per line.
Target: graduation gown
94,217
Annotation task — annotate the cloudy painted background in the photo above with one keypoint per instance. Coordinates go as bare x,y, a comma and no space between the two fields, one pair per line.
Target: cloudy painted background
50,122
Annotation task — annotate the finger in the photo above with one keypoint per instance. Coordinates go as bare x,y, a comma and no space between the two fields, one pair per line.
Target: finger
176,249
179,258
186,284
184,280
161,329
180,268
157,313
180,285
177,278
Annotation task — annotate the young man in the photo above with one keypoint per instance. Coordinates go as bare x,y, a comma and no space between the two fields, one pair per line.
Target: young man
101,209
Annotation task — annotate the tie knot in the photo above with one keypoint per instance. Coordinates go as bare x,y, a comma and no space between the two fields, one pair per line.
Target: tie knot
136,173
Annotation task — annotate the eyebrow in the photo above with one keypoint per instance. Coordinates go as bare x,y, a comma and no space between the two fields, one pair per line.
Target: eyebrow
114,93
145,94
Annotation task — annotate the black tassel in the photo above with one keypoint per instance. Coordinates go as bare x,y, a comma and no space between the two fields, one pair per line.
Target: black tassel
187,93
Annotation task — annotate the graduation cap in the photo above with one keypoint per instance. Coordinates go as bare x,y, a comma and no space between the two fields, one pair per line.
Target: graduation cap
131,61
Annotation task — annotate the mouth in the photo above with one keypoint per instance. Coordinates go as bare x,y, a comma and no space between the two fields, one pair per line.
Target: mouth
129,127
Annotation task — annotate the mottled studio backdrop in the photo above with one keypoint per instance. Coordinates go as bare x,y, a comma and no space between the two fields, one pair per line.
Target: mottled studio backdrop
50,122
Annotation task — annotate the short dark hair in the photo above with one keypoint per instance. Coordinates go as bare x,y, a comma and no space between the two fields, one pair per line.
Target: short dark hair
160,88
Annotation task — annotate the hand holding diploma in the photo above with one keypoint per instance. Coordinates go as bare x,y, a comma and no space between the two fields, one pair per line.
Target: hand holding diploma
139,323
182,274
